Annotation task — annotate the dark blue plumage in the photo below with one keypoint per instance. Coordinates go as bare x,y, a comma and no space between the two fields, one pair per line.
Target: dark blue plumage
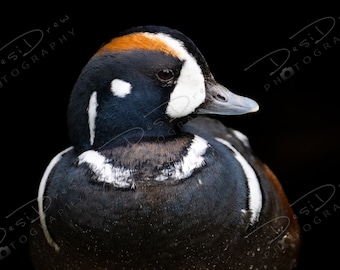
149,181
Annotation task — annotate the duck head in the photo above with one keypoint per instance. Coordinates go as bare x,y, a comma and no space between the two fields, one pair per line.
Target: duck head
145,82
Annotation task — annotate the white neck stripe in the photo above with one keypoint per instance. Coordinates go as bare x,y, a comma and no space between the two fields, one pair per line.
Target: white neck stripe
191,161
117,176
40,198
255,194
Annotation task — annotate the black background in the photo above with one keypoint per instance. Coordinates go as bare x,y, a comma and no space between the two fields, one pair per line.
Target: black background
296,132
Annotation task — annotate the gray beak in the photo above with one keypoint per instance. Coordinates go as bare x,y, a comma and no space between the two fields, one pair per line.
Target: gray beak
219,100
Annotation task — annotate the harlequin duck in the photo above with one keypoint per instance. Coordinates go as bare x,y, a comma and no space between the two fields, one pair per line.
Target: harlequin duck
152,180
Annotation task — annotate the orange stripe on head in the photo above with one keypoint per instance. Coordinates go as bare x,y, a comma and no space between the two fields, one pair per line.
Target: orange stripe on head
138,41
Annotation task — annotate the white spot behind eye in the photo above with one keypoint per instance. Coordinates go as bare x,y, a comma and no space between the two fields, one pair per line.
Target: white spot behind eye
120,88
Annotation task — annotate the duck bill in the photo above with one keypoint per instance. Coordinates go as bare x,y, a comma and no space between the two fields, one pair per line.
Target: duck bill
219,100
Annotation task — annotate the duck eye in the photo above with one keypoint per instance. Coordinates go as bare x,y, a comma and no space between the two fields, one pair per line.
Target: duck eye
165,75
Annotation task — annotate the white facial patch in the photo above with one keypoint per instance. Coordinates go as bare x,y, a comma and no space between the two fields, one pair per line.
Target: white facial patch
189,92
120,88
104,171
255,194
92,114
40,198
191,161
